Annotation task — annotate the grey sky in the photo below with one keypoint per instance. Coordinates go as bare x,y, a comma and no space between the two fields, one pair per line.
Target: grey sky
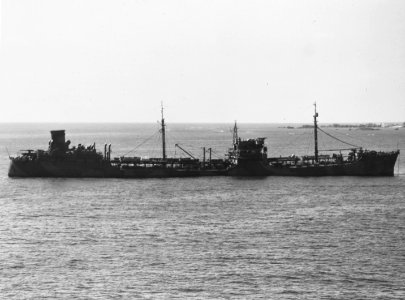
208,61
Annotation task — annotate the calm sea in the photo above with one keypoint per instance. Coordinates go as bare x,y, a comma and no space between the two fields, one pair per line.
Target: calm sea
201,238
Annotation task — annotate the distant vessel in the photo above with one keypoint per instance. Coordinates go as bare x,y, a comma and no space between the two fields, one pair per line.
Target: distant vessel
246,158
249,158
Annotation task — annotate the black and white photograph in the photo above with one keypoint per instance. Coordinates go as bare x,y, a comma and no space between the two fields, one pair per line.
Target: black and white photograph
190,149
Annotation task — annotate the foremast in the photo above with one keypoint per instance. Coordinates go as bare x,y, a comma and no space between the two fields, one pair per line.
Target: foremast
163,130
235,134
316,134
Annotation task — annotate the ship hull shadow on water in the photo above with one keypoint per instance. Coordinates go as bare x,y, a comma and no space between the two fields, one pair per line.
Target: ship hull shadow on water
245,158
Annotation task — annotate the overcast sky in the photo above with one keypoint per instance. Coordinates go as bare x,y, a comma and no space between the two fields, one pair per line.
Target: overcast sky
208,61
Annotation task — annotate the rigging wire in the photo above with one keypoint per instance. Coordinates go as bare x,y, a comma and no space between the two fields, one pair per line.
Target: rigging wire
188,150
338,139
142,143
214,153
173,139
8,152
291,140
169,136
309,141
169,148
399,159
321,142
157,150
350,136
326,144
155,146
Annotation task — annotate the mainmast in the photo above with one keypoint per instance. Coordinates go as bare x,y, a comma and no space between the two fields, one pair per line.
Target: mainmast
163,135
316,134
235,134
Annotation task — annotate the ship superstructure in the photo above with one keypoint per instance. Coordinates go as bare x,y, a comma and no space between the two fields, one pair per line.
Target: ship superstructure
61,160
250,158
247,157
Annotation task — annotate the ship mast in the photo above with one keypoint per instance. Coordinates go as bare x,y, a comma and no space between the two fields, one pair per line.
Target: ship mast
316,134
235,134
163,135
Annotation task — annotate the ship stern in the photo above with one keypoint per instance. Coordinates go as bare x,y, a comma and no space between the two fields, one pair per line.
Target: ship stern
21,168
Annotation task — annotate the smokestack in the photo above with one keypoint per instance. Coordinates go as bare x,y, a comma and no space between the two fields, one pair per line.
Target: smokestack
58,140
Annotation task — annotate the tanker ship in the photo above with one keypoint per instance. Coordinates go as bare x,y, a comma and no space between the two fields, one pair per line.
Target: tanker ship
61,160
249,158
246,158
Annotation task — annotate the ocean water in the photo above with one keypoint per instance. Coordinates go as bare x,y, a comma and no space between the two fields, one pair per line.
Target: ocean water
201,238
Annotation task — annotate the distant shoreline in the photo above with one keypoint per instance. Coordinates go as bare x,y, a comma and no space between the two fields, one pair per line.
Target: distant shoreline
365,126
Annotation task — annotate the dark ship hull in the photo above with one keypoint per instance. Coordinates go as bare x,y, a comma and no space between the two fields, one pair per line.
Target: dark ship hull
61,160
246,158
73,169
382,164
249,158
368,164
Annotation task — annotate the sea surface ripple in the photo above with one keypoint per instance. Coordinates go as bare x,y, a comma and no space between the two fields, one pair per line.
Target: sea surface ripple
199,238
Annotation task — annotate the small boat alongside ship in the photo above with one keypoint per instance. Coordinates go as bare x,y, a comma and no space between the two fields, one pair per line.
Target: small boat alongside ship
246,158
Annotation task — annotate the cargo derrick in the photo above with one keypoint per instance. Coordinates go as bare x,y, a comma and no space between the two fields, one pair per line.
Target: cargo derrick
249,158
246,158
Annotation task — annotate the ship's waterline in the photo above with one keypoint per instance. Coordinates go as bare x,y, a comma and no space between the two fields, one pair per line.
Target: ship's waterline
245,158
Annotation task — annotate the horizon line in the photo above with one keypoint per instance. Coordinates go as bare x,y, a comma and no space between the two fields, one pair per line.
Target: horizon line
194,122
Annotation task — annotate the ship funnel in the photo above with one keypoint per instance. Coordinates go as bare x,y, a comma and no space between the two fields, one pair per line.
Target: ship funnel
58,140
